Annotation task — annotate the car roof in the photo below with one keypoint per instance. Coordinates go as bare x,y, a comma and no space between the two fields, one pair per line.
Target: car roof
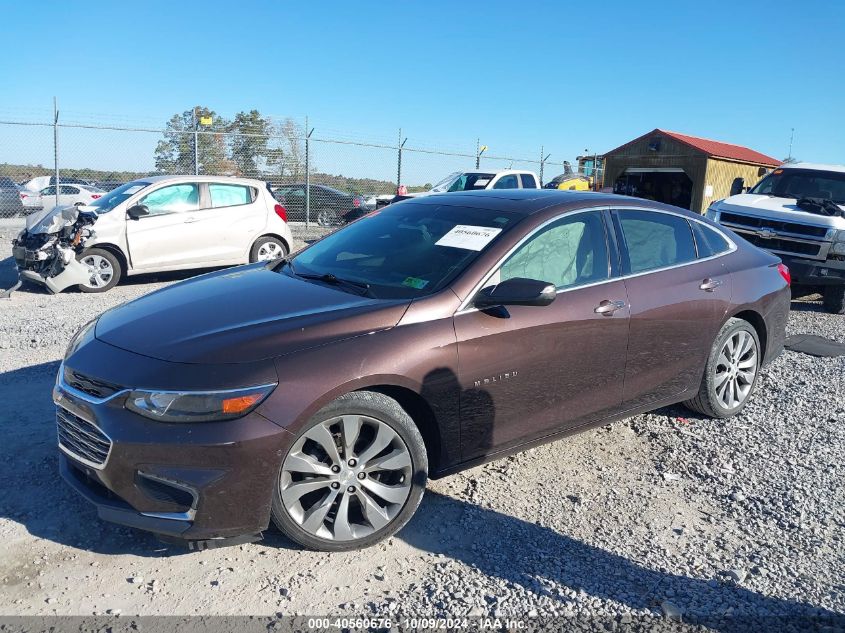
530,201
203,178
817,166
498,172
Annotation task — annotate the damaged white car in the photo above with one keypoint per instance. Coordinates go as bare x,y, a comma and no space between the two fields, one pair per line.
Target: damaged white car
152,225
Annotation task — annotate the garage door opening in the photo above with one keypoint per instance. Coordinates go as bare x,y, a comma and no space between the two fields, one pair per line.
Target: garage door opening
671,186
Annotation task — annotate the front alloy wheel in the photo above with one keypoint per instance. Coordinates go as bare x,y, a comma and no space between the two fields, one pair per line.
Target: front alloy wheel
353,476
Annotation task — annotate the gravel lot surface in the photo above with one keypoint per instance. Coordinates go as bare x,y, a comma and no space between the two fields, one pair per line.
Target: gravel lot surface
664,514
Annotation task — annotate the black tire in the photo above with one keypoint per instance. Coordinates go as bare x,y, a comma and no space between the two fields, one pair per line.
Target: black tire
834,299
706,400
115,264
387,411
261,241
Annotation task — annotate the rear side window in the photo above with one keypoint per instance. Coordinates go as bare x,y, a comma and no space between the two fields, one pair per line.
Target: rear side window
226,195
528,181
507,182
67,190
708,241
656,240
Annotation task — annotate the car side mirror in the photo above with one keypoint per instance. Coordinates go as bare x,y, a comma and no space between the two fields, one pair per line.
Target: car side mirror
516,292
138,211
737,186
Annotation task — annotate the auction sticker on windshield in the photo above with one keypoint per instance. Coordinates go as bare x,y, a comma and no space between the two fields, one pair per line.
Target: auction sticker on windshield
471,238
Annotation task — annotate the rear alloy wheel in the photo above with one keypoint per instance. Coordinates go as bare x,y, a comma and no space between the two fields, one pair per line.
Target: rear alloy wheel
103,270
353,476
267,249
731,372
326,218
834,299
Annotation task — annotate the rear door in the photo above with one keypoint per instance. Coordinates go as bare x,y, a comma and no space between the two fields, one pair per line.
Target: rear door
232,217
678,303
527,371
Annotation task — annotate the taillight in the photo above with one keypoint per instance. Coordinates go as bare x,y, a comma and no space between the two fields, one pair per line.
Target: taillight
356,202
23,195
784,272
280,211
95,195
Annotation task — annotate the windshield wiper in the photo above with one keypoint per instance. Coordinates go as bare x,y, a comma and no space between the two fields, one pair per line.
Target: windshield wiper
331,278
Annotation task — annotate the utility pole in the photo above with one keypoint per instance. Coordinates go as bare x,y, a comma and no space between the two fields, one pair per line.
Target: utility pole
307,174
543,160
196,144
479,150
56,145
791,138
399,162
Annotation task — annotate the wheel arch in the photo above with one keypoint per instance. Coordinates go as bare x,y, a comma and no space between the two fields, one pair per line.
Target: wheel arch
115,250
421,413
758,323
277,236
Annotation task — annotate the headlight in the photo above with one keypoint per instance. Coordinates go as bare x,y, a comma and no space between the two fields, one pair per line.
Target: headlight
197,406
81,337
712,212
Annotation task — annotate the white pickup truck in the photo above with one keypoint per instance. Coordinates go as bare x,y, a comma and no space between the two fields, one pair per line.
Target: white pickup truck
477,179
797,212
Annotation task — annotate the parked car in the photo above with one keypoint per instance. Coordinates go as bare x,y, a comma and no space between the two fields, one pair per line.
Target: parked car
797,212
11,204
40,182
477,180
76,195
152,225
328,206
108,185
322,391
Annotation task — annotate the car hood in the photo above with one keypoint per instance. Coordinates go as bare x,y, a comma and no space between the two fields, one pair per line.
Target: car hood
242,315
773,207
51,220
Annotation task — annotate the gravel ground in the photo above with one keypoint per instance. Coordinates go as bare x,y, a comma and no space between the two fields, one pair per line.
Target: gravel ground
664,514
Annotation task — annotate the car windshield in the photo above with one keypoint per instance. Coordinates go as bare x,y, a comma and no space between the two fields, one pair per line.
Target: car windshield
803,183
460,181
114,197
408,250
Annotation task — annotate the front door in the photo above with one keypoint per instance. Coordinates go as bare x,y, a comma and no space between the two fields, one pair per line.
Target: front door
527,372
165,237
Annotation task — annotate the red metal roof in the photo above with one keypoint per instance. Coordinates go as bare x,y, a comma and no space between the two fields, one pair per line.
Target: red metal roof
716,149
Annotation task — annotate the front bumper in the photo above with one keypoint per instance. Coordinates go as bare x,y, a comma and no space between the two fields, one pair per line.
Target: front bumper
812,272
197,482
73,274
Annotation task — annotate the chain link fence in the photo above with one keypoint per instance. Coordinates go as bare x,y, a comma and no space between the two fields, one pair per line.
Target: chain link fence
318,177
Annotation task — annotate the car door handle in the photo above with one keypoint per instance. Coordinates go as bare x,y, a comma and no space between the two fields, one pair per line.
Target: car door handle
189,220
710,285
607,308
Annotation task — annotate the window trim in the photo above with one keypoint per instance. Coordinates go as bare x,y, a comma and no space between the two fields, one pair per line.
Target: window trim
466,305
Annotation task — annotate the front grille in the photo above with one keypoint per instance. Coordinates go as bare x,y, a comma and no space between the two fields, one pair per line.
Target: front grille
780,245
774,225
82,439
91,386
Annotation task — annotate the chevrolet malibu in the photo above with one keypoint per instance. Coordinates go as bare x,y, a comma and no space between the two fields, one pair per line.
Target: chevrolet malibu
320,391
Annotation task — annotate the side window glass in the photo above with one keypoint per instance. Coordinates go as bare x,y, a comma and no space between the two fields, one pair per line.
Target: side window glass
67,190
49,191
656,240
528,181
507,182
708,241
173,199
570,252
226,195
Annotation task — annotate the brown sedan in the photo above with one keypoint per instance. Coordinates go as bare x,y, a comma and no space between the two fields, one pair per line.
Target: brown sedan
322,390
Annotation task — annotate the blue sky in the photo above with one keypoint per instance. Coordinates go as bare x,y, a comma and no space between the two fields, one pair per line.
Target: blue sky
517,75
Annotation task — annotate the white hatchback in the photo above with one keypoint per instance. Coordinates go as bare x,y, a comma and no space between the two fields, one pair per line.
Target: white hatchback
165,223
